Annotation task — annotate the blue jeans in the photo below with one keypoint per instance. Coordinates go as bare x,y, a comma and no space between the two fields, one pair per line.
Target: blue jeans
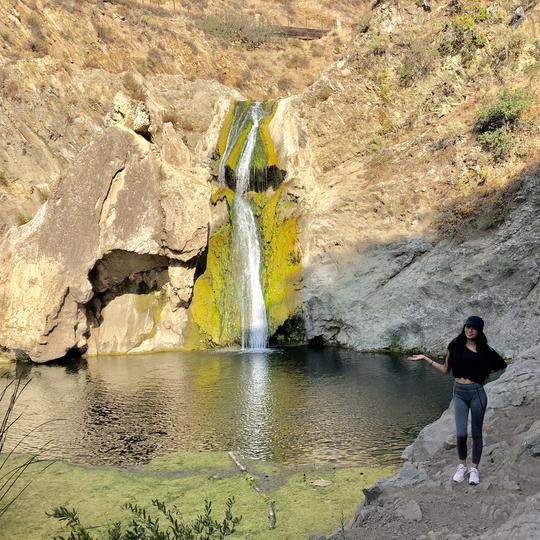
473,397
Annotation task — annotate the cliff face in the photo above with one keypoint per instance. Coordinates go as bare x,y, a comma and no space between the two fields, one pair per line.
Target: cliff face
109,260
411,224
62,62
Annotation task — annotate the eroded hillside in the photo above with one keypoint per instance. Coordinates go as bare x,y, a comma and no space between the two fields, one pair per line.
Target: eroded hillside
402,162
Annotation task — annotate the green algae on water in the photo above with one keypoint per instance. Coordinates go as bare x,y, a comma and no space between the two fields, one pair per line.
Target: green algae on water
303,504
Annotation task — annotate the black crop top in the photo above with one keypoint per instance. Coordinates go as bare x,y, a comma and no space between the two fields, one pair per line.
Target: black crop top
475,366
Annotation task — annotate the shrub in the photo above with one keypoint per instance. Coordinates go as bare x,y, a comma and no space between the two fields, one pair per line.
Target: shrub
104,33
134,88
385,123
498,141
508,46
317,50
363,23
449,133
144,526
495,122
476,9
378,46
297,61
417,62
464,36
21,218
236,26
375,144
34,23
505,112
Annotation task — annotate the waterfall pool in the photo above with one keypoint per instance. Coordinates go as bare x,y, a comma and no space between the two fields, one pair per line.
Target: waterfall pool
288,406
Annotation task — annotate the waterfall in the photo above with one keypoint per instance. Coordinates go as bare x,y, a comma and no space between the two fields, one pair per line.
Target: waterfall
237,126
252,308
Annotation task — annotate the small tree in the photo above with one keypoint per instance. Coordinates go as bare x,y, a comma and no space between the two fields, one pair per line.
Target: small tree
145,526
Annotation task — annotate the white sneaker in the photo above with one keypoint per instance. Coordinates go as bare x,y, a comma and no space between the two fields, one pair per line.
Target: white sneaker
461,471
474,476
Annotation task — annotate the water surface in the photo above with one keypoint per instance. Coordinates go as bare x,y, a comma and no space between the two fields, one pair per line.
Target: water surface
289,406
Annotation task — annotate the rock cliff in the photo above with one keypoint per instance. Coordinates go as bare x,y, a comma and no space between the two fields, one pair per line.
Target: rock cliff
410,224
109,260
407,223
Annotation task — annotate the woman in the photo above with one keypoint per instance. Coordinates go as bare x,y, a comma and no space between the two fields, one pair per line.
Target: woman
471,360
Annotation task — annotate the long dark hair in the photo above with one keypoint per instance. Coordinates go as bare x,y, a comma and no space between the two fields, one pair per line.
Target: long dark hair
457,345
486,353
461,339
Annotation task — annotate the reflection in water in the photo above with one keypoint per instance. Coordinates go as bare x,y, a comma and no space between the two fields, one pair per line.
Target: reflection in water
255,430
291,406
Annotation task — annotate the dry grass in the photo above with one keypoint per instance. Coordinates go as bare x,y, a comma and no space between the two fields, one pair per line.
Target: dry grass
133,87
297,61
104,33
285,84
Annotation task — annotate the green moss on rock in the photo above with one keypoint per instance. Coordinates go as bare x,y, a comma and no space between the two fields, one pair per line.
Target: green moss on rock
282,257
213,308
220,193
264,154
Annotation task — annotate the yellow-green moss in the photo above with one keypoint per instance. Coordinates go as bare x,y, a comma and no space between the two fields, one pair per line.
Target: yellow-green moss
220,193
266,139
264,154
258,201
213,315
282,259
185,480
224,133
213,308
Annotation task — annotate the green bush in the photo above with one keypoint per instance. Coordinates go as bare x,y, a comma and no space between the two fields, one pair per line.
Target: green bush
496,121
505,112
498,142
464,36
236,26
144,526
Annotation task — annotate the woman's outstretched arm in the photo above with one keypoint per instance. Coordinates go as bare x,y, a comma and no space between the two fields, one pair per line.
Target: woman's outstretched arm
443,368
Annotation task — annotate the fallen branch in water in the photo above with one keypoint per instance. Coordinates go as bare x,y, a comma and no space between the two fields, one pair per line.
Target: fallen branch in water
251,481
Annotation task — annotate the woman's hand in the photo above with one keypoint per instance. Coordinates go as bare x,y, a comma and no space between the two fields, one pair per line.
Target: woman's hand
416,357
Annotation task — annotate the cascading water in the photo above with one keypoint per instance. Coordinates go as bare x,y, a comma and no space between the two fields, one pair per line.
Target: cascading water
252,309
237,126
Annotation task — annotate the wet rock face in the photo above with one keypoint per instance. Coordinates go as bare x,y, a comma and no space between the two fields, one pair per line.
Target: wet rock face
118,215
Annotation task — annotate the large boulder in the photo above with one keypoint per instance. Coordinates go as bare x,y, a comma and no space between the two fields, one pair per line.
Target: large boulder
118,217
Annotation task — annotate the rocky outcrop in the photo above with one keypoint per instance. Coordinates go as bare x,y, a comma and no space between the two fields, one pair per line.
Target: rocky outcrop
414,292
409,225
120,217
421,501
